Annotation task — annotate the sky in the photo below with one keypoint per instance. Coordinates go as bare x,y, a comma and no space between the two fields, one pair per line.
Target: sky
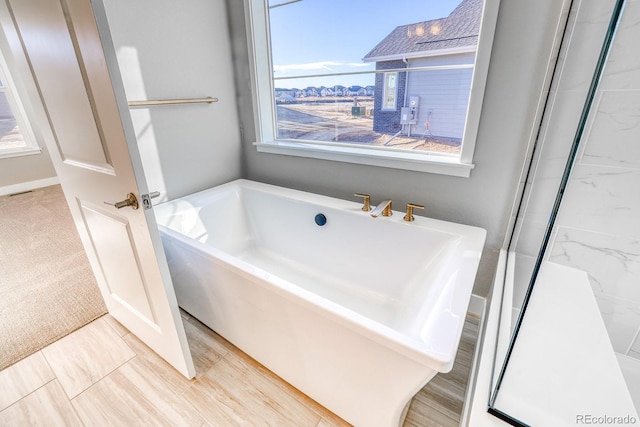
328,36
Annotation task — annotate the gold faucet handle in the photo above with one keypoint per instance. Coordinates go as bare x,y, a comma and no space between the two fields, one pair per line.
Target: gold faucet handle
410,207
366,202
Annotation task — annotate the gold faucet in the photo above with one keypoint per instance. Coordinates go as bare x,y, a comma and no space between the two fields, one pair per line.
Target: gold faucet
410,207
367,201
384,208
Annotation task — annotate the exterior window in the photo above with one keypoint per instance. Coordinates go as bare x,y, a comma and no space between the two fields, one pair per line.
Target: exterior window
16,137
390,91
383,83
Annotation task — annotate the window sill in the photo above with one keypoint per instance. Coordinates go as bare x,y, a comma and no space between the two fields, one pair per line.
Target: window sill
422,162
17,152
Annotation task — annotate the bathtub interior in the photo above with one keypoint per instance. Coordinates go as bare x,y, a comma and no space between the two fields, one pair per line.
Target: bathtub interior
400,275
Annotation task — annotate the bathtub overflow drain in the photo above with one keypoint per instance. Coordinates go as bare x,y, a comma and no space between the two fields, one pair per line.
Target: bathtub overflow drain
321,219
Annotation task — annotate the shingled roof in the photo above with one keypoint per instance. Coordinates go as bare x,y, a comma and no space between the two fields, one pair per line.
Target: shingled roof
458,30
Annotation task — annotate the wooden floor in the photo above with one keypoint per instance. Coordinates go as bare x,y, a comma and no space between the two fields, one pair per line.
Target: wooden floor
440,402
103,375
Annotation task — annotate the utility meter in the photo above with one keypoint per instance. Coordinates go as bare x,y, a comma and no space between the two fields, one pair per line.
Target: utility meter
409,115
414,102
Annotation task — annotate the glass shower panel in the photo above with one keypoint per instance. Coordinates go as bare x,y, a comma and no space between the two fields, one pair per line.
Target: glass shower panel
575,254
586,28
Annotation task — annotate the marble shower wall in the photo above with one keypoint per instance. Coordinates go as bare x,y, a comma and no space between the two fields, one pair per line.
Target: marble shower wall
598,227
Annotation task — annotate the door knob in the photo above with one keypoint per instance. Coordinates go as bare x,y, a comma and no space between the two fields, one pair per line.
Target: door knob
129,201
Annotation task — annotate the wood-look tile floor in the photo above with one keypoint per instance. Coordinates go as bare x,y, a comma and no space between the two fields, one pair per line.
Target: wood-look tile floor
103,375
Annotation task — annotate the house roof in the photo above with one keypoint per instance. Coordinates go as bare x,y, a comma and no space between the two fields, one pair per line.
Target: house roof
458,30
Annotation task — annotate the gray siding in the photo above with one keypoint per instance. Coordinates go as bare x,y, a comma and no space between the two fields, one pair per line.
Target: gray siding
444,93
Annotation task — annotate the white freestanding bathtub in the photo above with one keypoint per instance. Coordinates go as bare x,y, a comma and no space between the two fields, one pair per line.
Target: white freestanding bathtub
359,313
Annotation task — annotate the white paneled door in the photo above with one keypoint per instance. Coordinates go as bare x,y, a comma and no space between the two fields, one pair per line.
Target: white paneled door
91,141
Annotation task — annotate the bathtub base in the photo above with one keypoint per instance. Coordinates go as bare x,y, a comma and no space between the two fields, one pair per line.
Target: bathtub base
363,382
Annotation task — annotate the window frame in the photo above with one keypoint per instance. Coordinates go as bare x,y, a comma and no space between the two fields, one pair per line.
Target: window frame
385,93
9,89
262,84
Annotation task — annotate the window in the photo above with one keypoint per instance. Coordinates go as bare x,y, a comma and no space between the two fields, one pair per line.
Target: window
16,137
387,83
390,91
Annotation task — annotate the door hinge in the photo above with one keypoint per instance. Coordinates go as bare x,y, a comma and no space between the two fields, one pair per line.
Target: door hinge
146,199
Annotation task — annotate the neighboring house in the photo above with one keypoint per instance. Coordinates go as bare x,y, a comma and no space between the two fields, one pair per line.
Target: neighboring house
284,99
326,91
284,96
355,91
285,92
443,94
311,91
339,90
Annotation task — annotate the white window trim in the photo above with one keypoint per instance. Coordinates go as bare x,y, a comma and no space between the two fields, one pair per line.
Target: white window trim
31,146
257,24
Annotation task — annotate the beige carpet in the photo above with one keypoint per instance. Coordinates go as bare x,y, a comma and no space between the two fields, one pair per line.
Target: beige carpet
47,289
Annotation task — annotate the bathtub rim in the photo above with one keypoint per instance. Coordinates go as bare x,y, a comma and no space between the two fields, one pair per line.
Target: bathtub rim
441,226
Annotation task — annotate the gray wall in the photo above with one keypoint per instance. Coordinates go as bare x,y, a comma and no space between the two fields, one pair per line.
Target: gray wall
523,43
168,49
23,169
444,95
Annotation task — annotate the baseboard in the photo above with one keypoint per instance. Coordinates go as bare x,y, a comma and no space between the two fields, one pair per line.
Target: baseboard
476,306
481,378
29,185
481,304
